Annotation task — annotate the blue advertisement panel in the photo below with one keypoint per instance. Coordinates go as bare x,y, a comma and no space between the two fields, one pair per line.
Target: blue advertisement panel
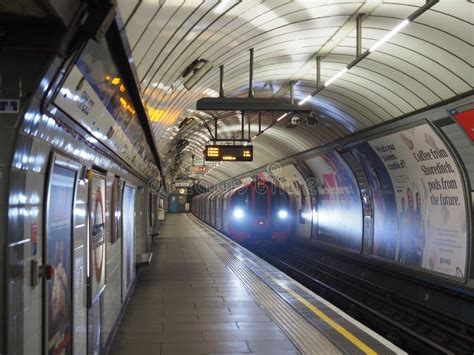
339,206
384,202
432,228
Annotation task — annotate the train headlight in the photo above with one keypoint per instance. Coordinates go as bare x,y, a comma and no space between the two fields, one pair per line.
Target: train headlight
282,214
238,213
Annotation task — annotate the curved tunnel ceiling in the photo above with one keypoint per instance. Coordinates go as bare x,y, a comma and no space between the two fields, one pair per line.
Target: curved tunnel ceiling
428,61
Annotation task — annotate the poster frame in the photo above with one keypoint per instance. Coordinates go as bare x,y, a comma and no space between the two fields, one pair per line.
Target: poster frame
315,195
67,162
463,176
467,200
305,171
95,174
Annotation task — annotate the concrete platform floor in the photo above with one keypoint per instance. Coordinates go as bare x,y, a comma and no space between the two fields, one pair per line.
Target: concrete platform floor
188,302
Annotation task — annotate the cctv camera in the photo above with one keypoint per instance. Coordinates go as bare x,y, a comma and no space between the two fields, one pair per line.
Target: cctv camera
198,74
295,120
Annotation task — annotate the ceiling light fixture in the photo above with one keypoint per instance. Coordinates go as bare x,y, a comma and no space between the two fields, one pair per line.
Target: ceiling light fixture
199,68
335,77
384,39
282,117
389,35
305,100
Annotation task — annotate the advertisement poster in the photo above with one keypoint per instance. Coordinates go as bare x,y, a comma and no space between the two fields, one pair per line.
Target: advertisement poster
116,210
97,236
128,238
58,254
431,210
339,207
384,202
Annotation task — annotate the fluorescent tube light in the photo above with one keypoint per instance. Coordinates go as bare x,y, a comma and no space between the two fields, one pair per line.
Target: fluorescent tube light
389,35
305,100
330,81
282,117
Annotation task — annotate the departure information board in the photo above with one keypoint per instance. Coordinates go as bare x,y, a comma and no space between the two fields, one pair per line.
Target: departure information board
228,152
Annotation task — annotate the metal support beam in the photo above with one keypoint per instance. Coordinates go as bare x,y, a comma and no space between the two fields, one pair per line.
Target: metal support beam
359,34
209,130
233,139
429,4
248,126
318,71
292,92
424,8
221,81
251,93
259,122
242,122
215,128
249,104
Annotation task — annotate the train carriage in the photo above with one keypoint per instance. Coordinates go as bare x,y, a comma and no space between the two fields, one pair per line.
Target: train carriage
254,212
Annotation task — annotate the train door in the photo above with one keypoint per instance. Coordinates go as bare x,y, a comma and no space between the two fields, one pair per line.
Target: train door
128,238
212,209
226,210
57,256
219,201
208,208
214,214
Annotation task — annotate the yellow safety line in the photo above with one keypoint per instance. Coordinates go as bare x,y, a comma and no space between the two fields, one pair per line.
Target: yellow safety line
340,329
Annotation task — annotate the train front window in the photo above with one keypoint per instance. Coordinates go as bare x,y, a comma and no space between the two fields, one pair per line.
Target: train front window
241,198
261,200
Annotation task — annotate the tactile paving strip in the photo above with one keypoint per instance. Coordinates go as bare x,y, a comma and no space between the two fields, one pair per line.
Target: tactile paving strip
305,337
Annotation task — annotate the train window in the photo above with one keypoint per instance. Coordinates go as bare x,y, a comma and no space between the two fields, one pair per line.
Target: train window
116,210
280,200
242,197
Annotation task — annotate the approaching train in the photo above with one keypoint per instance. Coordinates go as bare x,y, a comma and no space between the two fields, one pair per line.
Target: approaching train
258,211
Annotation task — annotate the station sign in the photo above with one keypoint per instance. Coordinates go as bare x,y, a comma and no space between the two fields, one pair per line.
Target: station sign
466,121
182,184
228,153
9,106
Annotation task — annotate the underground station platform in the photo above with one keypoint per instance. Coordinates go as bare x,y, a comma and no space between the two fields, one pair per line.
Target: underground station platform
205,294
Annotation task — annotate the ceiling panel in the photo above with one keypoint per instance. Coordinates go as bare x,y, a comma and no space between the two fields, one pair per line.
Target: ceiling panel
430,60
